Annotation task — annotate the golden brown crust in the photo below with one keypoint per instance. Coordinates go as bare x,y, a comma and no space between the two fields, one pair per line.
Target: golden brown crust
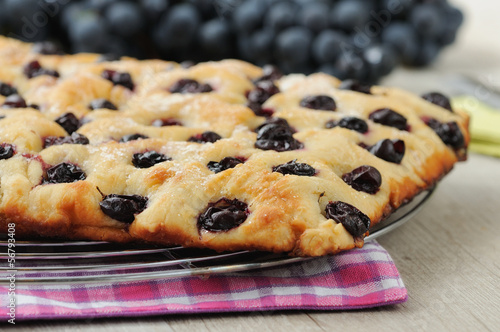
286,213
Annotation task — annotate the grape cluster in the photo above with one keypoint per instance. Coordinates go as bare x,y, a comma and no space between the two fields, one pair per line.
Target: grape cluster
356,39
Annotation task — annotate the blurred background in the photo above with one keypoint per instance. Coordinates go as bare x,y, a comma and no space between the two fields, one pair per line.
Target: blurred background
361,39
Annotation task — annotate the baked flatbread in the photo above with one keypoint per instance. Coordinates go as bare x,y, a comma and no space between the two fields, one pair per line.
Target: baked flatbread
221,155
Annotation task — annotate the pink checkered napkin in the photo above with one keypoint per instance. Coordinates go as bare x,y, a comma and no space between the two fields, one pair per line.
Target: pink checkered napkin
360,278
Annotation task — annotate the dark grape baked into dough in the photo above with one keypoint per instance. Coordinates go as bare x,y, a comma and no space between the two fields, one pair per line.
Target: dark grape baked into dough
220,155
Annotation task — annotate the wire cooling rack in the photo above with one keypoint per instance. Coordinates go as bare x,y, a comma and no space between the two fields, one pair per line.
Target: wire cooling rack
70,262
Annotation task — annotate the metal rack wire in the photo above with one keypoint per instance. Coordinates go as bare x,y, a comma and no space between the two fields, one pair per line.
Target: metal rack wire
70,262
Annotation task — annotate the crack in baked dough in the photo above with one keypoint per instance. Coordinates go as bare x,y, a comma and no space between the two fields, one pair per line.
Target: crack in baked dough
280,165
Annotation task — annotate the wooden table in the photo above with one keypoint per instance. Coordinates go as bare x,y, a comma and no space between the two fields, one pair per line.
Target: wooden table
448,255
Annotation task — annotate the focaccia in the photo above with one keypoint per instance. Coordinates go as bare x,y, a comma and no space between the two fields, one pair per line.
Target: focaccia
220,155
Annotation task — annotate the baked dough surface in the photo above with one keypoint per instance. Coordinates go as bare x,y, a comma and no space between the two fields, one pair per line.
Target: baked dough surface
285,212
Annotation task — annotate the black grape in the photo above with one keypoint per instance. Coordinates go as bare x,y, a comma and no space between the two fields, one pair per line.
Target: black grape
153,9
88,32
177,27
293,45
349,14
357,39
351,66
262,43
280,15
215,37
249,16
427,21
314,16
124,18
380,59
327,46
403,38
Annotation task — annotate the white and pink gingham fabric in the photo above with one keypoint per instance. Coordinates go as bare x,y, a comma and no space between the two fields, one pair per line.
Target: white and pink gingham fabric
360,278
